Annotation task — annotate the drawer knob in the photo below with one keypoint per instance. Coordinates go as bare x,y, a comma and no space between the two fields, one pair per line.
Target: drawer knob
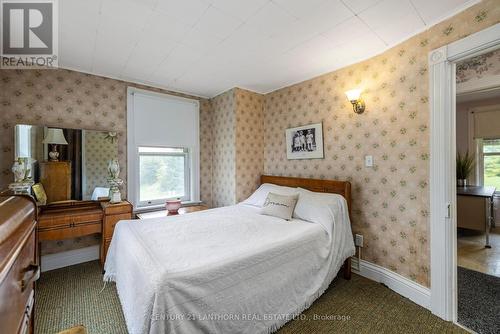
30,274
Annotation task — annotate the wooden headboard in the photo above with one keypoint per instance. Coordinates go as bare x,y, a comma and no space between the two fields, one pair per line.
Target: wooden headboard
323,186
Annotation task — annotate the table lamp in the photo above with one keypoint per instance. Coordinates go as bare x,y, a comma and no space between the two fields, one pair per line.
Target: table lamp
54,137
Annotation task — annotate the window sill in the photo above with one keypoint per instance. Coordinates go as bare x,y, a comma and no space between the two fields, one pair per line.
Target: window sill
157,207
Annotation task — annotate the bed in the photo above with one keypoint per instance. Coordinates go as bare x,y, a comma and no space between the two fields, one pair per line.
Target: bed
232,269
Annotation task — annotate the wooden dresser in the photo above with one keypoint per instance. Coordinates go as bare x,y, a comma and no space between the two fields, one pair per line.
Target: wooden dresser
18,263
79,218
113,213
56,179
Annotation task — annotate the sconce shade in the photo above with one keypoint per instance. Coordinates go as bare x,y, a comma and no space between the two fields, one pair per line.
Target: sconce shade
353,94
55,136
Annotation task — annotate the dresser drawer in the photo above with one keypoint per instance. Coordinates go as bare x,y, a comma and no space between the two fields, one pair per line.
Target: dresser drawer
67,225
87,218
54,222
69,232
17,289
111,221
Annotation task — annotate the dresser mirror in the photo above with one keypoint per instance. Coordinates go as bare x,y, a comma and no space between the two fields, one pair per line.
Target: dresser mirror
66,164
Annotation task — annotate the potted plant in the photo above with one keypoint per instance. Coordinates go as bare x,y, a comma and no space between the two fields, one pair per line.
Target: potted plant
465,166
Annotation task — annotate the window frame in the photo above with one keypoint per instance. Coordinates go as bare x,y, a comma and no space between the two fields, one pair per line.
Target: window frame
187,175
133,144
480,159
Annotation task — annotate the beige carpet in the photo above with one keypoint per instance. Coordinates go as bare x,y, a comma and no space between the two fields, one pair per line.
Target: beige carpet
71,296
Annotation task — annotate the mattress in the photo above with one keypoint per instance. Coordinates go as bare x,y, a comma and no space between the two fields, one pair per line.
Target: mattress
225,270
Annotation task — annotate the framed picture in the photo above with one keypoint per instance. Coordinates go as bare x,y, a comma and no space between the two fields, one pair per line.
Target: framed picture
305,142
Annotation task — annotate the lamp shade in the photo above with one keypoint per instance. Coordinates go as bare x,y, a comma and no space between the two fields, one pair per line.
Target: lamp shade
55,136
353,94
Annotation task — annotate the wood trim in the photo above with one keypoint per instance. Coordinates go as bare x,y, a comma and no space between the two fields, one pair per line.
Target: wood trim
317,185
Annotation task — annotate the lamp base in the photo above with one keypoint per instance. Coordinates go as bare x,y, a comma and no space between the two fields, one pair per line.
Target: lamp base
54,155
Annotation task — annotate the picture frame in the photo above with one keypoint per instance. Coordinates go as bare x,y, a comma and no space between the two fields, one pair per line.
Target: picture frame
39,192
305,142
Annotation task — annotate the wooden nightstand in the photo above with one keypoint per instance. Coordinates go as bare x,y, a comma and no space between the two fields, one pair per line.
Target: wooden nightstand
112,214
164,213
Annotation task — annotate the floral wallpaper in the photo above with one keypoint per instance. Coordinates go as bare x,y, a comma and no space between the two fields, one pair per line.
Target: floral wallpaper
206,151
238,145
249,142
484,65
390,199
224,151
98,150
71,99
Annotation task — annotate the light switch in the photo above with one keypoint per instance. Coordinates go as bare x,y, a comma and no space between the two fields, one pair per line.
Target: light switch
368,160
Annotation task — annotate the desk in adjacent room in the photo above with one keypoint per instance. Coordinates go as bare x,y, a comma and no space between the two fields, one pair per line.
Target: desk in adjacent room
475,209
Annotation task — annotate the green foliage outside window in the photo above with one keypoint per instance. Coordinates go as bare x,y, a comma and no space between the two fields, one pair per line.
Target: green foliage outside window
161,176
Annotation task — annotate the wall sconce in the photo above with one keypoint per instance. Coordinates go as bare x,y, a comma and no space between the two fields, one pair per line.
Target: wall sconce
358,105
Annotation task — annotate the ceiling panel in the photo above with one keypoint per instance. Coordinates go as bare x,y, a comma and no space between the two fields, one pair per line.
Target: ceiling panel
271,20
187,11
324,16
358,6
166,26
201,41
217,23
177,63
348,30
400,28
207,46
126,11
386,11
147,56
431,10
241,9
78,27
299,8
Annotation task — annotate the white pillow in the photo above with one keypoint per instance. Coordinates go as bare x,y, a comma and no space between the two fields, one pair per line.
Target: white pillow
260,195
320,208
280,206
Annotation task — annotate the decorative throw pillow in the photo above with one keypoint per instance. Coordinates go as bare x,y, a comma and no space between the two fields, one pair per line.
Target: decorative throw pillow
259,196
280,206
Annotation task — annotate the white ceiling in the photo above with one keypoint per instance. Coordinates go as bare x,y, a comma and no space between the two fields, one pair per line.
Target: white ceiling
484,94
205,47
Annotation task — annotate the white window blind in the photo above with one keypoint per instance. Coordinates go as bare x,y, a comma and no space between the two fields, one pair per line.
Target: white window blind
487,124
161,121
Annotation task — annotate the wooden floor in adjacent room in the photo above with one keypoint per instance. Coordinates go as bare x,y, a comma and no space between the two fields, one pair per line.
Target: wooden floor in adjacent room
474,256
75,296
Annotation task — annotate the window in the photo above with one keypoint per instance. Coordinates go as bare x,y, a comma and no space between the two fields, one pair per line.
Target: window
163,149
23,141
491,162
163,174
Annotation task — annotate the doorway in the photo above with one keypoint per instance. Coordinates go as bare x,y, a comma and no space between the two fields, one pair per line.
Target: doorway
443,184
478,191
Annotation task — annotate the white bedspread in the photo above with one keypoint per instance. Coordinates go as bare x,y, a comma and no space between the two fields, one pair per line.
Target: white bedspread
226,270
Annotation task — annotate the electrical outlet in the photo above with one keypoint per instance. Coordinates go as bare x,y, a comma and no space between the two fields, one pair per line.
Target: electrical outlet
358,240
369,160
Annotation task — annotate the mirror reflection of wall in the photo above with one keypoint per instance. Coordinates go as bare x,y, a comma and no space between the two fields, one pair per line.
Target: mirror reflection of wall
98,149
78,169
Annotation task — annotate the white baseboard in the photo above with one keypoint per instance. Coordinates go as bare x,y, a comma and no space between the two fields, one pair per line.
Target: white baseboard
69,258
400,284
